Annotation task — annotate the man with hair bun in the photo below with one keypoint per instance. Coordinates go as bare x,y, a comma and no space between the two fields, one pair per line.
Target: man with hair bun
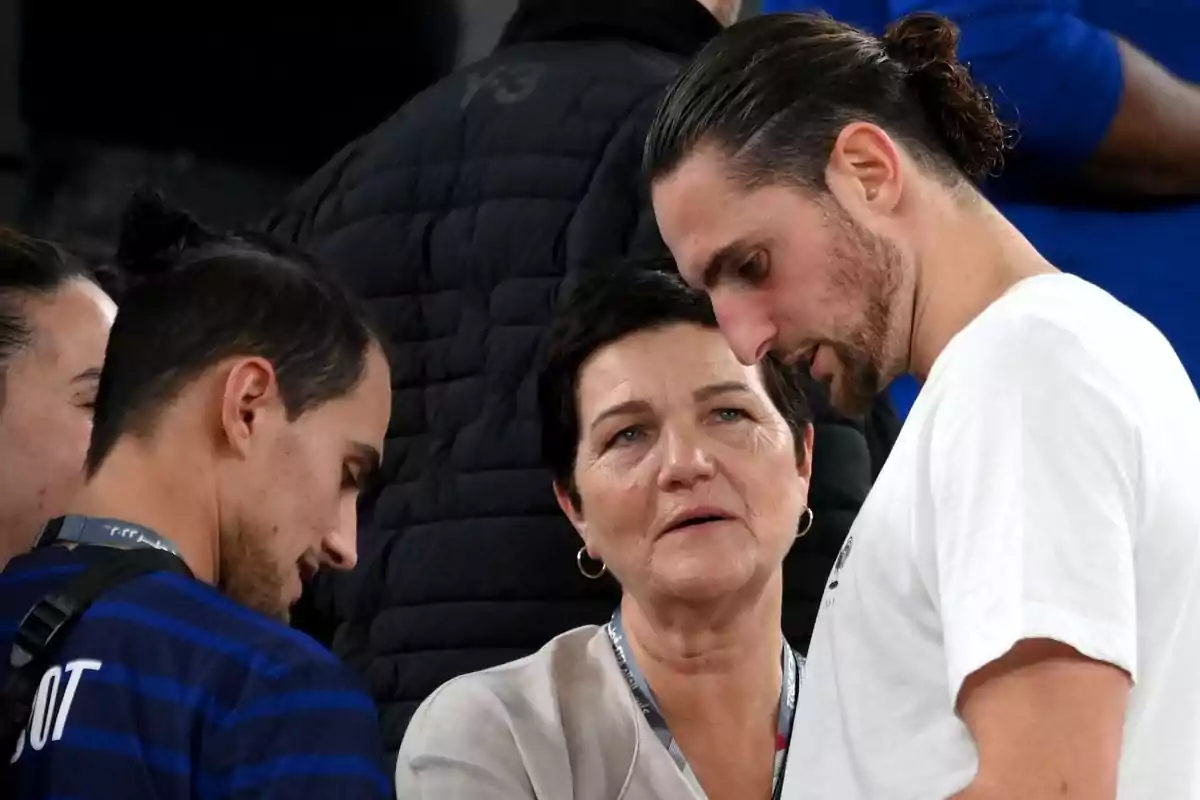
1015,611
240,410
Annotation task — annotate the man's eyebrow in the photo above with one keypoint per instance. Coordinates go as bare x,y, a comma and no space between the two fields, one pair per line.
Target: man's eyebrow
89,375
368,457
731,255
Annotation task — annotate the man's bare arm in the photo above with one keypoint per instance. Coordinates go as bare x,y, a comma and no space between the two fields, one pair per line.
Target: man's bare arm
1152,146
1048,723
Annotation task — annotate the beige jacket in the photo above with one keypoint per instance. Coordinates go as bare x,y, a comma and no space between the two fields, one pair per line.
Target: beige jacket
558,725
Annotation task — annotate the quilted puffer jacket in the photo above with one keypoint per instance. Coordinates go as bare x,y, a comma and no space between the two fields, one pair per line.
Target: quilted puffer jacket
458,221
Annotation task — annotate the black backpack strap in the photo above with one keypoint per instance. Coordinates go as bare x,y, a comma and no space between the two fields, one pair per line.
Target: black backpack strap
44,628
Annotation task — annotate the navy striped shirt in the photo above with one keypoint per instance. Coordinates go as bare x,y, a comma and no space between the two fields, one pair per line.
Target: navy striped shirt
167,689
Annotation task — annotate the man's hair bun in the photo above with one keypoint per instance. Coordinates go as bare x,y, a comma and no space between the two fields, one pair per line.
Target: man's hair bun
154,235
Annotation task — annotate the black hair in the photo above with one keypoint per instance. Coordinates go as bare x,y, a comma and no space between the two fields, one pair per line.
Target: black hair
29,268
774,92
196,297
607,305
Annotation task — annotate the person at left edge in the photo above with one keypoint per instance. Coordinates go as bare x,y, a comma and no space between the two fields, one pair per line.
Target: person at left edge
242,404
54,321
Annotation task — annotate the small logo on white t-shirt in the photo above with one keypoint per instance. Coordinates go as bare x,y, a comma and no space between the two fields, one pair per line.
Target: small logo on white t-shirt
837,571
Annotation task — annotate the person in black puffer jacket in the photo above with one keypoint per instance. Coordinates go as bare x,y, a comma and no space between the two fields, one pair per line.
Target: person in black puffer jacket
460,221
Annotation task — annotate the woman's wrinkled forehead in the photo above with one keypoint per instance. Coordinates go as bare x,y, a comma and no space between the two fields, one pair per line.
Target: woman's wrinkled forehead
676,365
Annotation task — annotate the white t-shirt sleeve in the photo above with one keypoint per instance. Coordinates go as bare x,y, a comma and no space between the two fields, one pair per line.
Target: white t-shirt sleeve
1034,469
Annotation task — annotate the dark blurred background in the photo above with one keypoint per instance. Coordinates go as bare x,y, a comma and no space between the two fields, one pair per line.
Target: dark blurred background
61,175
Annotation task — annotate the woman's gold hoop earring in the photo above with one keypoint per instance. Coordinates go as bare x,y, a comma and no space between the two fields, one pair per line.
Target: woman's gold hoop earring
807,521
583,570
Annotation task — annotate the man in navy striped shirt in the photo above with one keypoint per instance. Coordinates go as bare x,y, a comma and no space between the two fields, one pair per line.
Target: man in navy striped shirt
242,406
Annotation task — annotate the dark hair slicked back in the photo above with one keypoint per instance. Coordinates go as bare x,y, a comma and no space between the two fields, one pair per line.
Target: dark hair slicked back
774,92
197,298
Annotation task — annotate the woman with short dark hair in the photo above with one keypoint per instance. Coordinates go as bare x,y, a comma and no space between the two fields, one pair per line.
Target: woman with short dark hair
685,474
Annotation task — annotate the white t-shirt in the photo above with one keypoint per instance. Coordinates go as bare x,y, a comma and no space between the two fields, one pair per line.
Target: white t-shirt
1045,485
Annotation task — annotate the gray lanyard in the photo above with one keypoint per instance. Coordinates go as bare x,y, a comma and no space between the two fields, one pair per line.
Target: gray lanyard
644,697
103,532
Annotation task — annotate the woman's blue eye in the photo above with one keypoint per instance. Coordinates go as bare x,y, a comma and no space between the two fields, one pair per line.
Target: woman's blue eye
730,414
626,436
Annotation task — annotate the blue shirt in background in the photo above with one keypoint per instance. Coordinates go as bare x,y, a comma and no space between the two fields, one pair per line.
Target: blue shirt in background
167,689
1054,69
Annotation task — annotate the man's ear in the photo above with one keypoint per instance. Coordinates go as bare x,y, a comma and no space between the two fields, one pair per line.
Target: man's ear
864,172
249,396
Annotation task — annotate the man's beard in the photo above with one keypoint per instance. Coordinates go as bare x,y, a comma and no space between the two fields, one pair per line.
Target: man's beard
248,576
866,266
857,383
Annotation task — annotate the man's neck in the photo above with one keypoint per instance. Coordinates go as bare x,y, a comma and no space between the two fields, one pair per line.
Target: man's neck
17,535
724,11
136,485
965,266
709,665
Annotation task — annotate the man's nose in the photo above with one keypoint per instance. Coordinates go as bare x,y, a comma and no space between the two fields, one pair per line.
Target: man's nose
745,325
685,460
